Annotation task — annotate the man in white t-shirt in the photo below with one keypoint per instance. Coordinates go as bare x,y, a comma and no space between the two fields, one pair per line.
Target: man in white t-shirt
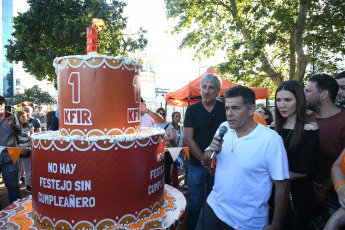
250,160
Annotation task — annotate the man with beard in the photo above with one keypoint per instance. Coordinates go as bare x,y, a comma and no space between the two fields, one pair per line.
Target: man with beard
321,92
201,122
340,78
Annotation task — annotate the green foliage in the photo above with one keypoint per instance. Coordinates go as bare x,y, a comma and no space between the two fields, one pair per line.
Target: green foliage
265,41
35,95
10,89
55,28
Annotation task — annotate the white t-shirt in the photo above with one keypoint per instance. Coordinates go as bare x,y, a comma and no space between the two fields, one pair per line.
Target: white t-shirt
244,177
147,121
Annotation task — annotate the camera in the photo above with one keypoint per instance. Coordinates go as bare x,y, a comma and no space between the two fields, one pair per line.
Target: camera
8,108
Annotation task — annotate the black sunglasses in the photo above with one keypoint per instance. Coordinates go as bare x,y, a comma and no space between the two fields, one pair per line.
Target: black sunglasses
163,114
210,120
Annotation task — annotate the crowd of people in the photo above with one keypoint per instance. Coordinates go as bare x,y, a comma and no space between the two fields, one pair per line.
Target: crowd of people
16,130
275,177
265,171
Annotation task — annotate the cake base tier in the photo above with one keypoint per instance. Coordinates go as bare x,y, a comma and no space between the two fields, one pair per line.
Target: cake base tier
19,215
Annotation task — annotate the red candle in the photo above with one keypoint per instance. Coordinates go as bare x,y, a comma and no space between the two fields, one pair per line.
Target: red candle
91,36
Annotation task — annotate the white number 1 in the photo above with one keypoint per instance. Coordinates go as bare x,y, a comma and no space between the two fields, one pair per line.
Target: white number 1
136,84
74,80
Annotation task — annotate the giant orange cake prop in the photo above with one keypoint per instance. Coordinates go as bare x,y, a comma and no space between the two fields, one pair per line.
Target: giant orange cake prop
100,170
98,95
19,215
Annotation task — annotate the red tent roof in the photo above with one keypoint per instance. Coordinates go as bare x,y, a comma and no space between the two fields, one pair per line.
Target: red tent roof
192,91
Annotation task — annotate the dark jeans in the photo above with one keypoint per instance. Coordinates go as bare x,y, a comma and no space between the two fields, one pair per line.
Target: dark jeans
197,177
10,176
209,221
186,170
167,167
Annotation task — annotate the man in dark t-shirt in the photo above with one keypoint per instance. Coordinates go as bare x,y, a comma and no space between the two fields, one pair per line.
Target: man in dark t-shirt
201,123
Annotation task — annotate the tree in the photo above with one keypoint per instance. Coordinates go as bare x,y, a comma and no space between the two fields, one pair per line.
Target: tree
35,95
263,40
55,28
9,86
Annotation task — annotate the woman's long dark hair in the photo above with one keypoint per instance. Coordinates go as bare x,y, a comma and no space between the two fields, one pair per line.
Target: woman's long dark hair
18,115
172,116
302,118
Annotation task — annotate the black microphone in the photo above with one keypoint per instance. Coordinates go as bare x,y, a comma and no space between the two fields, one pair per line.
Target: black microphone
222,131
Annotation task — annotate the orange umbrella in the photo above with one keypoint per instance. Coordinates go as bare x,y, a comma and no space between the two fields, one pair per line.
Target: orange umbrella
191,92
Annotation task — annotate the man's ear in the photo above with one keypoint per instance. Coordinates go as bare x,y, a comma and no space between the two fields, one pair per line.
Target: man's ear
252,110
324,95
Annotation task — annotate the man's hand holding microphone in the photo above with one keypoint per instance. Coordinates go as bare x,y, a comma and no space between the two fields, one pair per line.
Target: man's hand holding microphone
215,148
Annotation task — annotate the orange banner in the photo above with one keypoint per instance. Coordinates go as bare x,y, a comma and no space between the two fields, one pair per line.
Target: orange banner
186,149
14,153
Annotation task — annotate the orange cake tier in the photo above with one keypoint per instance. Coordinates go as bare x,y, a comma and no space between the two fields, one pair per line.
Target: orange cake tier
97,180
98,93
20,215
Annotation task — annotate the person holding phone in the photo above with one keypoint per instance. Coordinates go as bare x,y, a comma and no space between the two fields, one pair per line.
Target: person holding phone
9,128
8,108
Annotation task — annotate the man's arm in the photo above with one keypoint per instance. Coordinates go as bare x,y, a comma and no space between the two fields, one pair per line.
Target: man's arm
281,198
37,125
158,118
15,128
215,146
338,176
191,144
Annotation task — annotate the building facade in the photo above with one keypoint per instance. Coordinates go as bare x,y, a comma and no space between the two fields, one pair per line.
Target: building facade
7,77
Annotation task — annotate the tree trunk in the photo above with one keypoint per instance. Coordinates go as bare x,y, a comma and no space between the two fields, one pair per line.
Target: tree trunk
265,65
299,30
292,55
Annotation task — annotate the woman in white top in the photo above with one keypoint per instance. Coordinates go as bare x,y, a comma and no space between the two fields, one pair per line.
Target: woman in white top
24,140
168,137
178,131
177,142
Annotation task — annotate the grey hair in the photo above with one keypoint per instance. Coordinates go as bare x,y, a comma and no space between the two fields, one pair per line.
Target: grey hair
28,107
212,78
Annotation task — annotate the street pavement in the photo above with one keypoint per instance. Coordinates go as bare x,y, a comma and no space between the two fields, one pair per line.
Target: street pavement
4,193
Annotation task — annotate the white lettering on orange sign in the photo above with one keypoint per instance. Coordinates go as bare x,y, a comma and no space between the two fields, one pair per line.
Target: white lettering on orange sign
77,117
133,115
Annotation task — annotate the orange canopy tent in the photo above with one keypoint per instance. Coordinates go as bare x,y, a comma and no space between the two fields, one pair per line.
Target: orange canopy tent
191,92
